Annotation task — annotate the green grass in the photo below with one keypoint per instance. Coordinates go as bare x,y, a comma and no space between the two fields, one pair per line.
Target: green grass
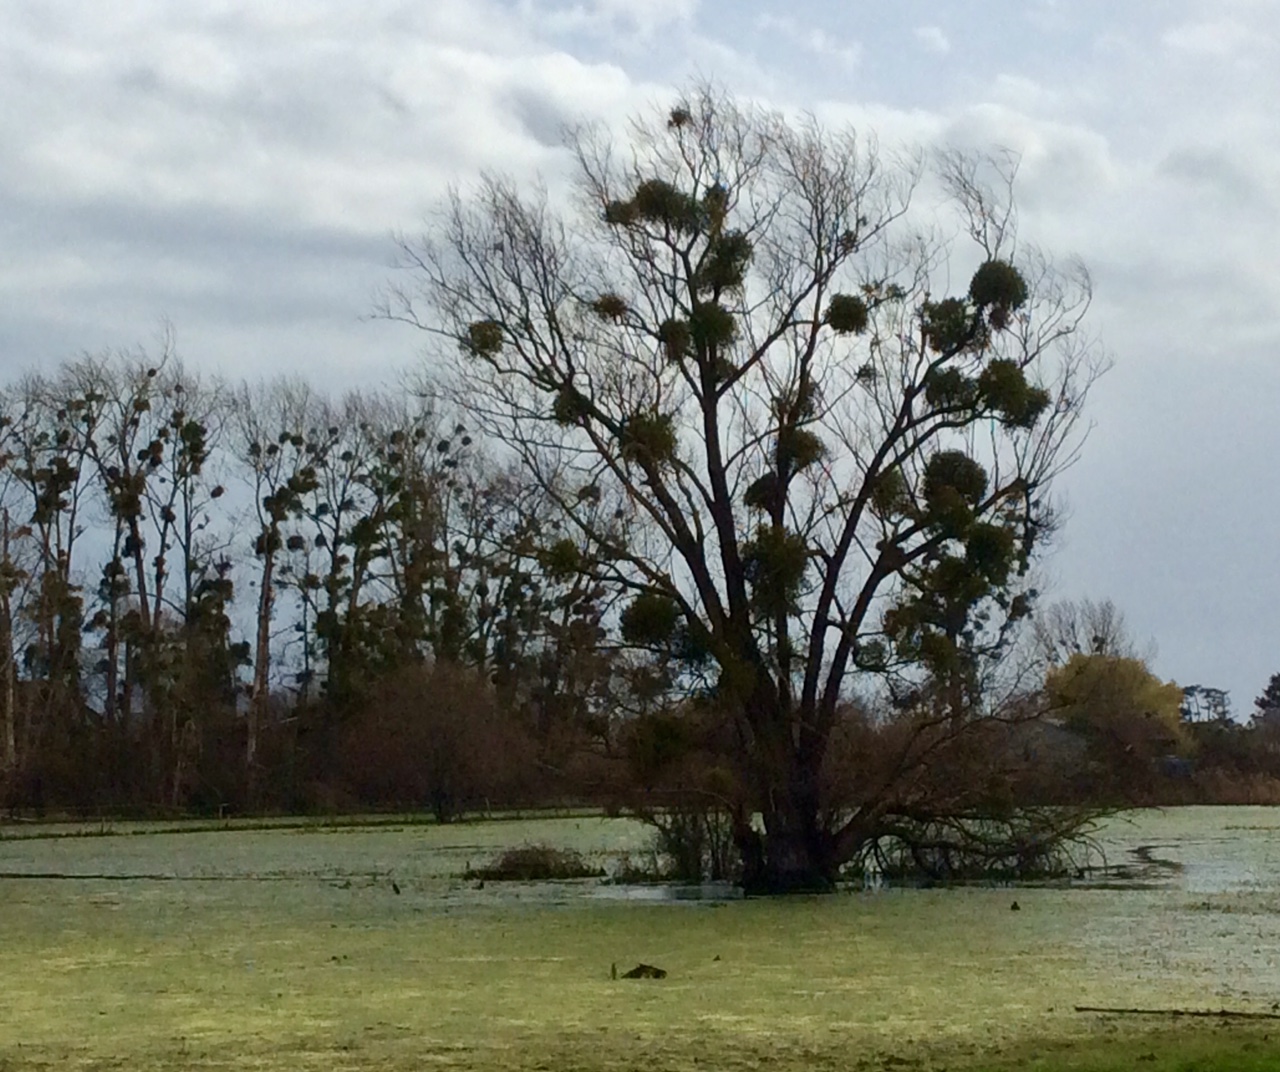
287,949
1199,1049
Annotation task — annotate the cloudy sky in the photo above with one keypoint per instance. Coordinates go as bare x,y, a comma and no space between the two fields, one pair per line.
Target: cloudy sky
238,169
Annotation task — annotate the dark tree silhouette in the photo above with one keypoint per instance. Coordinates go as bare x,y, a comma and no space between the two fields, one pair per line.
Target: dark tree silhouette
737,374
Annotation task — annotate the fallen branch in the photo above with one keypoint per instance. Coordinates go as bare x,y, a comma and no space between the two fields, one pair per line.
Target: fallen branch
1220,1014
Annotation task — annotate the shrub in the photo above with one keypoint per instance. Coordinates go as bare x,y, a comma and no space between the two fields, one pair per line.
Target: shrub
436,737
696,843
1033,845
536,863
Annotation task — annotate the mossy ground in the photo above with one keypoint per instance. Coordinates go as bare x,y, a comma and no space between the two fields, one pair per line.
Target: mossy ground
288,950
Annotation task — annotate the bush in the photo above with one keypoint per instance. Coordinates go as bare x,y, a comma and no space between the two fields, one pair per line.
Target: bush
536,863
696,843
690,844
435,737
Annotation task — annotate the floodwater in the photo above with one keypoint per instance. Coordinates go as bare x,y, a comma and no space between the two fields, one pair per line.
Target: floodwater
1196,850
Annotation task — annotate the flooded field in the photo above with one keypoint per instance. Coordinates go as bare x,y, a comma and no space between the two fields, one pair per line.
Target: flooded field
365,947
1198,850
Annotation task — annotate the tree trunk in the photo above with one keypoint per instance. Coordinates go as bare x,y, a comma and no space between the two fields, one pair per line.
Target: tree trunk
261,666
797,855
8,687
140,572
9,692
110,703
130,674
794,853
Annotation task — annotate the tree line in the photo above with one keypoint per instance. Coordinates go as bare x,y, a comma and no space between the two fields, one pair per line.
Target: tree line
210,592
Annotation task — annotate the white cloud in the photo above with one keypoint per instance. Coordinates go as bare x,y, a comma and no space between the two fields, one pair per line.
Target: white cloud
622,20
811,38
241,172
318,122
1062,165
1219,38
895,129
1025,94
933,39
651,13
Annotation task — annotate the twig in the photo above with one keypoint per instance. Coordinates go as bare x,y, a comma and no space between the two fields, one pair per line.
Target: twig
1220,1014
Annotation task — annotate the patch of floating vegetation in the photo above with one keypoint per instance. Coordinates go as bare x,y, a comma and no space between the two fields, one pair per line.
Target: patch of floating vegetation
535,863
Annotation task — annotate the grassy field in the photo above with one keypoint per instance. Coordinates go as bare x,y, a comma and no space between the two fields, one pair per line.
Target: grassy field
289,948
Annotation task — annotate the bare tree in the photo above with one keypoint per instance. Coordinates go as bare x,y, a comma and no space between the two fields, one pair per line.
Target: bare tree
9,580
268,426
48,461
1084,627
807,466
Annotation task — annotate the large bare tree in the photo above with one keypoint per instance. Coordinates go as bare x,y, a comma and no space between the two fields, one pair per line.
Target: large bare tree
739,368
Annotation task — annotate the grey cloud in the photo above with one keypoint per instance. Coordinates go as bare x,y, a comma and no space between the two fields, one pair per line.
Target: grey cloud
541,117
1216,171
1060,164
233,275
200,231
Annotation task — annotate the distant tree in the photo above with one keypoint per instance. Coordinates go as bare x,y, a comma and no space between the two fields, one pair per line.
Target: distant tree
328,550
268,427
739,379
49,493
1267,706
433,736
15,583
11,578
1203,703
1082,627
1129,718
155,430
390,599
1264,727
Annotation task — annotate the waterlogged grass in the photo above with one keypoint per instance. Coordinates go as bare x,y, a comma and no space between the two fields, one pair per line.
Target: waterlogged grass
289,948
429,857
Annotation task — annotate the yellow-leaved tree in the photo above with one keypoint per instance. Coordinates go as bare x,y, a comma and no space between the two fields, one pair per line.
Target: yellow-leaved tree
1129,718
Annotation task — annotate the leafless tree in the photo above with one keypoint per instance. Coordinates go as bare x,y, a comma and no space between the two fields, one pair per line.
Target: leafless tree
734,370
268,439
1084,627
